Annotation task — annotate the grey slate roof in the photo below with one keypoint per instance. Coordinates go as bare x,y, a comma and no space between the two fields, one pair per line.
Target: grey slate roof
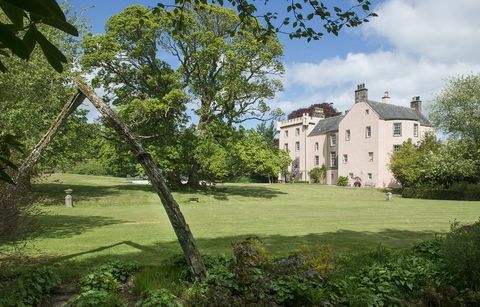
388,111
326,125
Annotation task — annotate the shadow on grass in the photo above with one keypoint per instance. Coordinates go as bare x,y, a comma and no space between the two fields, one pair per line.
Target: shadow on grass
54,193
62,226
223,192
342,241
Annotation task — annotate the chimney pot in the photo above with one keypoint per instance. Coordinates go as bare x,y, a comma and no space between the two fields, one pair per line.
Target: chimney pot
386,97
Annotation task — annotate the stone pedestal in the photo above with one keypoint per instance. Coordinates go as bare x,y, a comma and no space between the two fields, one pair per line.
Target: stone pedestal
69,198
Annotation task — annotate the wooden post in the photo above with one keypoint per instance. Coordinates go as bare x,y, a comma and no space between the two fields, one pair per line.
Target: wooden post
24,171
184,235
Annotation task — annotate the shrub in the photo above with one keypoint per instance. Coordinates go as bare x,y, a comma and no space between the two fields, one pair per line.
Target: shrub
450,194
30,288
96,298
161,297
88,167
342,181
461,253
318,174
99,280
120,270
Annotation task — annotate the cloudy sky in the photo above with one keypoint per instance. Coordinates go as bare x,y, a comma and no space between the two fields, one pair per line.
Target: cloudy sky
411,49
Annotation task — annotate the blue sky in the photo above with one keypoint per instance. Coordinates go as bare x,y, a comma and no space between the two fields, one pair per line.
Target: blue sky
411,49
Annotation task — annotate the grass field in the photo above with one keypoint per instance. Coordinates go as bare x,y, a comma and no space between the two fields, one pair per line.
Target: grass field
114,219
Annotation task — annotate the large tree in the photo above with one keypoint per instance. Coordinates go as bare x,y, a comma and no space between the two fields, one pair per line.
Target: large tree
227,69
456,110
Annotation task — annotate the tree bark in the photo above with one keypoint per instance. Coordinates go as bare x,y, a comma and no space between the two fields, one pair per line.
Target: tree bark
24,171
179,224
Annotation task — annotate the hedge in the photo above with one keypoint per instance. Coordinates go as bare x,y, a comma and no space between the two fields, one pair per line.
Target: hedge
441,194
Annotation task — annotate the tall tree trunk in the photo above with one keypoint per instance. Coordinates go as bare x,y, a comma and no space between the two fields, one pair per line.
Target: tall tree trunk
182,230
25,170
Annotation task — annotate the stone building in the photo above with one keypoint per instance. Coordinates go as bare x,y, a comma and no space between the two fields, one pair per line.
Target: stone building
357,144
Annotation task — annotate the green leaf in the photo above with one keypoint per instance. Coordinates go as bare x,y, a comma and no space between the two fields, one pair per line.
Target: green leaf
54,56
43,8
4,177
12,42
14,13
29,39
62,25
49,49
2,67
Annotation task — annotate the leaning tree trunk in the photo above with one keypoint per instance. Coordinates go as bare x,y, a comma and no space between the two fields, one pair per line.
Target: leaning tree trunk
22,177
181,228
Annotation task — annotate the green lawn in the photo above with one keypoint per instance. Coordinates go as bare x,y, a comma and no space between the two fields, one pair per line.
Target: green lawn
114,219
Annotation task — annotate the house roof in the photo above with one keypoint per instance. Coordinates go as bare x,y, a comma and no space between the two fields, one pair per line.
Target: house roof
387,111
326,125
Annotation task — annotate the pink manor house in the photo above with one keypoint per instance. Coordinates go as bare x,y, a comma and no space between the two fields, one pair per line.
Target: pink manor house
357,144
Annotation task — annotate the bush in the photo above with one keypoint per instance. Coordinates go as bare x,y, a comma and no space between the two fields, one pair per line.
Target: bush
342,181
120,270
318,174
461,254
99,280
450,194
161,297
89,167
93,298
30,288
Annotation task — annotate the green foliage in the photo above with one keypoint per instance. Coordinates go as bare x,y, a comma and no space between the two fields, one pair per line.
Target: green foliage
89,167
318,174
461,254
306,19
432,193
342,181
30,288
8,143
120,270
20,38
455,109
161,297
92,298
99,280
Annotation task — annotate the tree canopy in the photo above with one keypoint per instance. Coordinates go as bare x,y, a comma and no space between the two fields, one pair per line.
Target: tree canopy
456,110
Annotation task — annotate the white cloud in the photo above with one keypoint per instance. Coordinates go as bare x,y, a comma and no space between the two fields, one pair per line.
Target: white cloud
436,29
428,41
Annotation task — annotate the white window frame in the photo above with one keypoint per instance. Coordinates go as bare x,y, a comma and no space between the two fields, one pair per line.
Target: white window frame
285,146
370,156
297,146
333,159
345,158
415,130
368,132
297,131
286,133
333,139
317,146
370,176
367,111
396,147
394,130
316,160
347,135
350,175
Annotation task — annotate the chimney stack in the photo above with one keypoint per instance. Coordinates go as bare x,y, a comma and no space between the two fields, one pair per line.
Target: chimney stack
386,97
361,94
416,104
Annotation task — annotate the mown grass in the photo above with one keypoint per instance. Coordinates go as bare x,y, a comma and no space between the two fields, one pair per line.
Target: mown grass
113,219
